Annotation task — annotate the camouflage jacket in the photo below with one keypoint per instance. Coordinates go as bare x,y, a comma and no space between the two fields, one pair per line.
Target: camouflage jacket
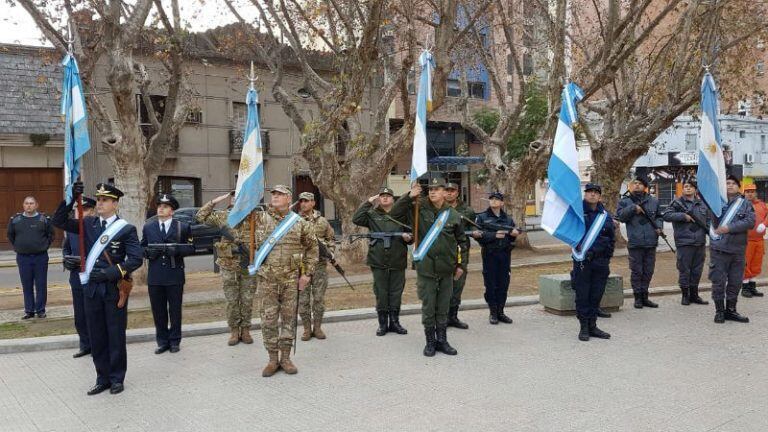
323,232
232,247
298,246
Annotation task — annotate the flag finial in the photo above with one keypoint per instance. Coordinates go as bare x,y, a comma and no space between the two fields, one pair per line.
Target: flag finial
252,78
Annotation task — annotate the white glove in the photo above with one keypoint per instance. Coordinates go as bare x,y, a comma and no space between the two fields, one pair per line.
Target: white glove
761,228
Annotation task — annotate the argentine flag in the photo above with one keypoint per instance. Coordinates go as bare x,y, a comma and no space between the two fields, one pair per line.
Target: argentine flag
423,106
711,173
76,139
563,214
250,177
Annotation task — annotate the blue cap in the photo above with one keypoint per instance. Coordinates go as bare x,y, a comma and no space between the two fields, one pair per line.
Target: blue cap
497,195
593,187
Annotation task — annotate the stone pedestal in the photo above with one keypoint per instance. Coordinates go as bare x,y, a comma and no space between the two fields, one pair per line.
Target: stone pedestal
557,297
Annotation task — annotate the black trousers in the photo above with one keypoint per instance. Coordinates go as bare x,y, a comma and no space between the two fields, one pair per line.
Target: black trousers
496,271
166,307
690,265
78,304
588,280
106,327
642,262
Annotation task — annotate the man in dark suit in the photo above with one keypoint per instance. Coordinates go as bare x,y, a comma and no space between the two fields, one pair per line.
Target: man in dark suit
71,247
165,275
113,251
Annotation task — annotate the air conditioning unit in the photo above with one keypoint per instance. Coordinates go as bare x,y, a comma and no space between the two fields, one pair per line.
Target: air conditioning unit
749,158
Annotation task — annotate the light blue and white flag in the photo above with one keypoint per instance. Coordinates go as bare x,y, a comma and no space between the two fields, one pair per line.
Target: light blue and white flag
423,106
76,139
250,177
563,214
711,173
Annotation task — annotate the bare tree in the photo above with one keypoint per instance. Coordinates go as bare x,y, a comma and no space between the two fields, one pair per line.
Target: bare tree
136,152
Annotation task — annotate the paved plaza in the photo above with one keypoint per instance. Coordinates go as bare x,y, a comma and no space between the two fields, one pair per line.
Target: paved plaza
669,369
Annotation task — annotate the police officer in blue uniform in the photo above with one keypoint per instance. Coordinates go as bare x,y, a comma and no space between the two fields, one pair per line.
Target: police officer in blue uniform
119,254
590,274
71,247
165,273
497,245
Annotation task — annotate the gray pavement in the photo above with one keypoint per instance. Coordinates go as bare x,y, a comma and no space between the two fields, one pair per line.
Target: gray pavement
669,369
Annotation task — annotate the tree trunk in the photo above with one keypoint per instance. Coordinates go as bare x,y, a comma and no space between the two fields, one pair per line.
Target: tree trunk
132,178
610,173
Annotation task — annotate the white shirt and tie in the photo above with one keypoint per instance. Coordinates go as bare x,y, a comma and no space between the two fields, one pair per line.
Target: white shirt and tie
165,226
106,222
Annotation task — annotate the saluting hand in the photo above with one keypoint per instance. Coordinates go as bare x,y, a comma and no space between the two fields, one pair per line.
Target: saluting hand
221,198
373,199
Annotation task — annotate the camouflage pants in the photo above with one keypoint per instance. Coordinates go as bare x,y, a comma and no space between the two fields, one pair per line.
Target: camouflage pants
312,299
278,306
239,288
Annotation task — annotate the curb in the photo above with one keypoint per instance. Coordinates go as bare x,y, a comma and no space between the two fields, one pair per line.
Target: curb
46,343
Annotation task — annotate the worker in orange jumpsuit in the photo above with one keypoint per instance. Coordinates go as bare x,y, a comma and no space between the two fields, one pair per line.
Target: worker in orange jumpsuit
755,245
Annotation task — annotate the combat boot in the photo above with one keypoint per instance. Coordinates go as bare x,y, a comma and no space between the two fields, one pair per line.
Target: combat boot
234,336
429,348
317,331
719,311
502,317
686,299
453,319
442,344
638,300
753,289
648,303
603,314
493,318
382,330
273,366
745,290
596,332
731,314
583,329
394,323
285,361
307,323
694,296
245,335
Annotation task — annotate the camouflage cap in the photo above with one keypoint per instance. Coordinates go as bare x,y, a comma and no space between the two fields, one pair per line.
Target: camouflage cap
436,183
309,196
386,191
283,189
451,185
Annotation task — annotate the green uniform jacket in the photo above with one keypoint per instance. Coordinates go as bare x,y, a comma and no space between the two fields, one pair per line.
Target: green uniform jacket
377,220
467,212
449,249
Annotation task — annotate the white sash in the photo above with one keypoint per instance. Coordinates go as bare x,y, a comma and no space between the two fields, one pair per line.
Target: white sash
590,237
729,215
288,222
99,246
431,236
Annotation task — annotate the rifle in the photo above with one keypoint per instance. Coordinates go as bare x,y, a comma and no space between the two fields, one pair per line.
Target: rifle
493,226
650,220
226,233
164,248
678,205
325,253
296,310
385,237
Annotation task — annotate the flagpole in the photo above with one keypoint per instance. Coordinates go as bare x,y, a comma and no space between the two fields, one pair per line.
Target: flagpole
416,221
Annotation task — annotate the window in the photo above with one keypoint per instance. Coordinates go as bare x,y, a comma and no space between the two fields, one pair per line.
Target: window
453,88
239,113
528,30
477,89
195,116
158,103
510,65
186,190
527,64
412,82
760,67
690,142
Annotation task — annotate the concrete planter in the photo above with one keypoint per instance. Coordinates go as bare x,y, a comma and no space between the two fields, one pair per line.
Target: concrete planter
557,297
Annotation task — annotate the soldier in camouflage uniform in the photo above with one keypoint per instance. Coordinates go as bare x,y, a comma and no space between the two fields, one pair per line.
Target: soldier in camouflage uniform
279,277
467,216
312,300
233,254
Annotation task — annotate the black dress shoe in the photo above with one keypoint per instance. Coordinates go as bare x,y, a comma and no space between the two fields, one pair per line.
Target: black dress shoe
162,349
81,353
175,348
98,388
28,316
116,388
603,314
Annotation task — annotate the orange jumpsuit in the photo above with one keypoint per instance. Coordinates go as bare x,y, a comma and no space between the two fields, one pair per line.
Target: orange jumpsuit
755,245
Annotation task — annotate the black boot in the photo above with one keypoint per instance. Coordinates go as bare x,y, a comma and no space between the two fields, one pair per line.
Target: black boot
429,348
648,303
686,300
453,319
596,332
502,317
753,288
746,291
442,344
394,323
638,300
731,314
719,311
694,295
494,317
603,314
382,330
584,329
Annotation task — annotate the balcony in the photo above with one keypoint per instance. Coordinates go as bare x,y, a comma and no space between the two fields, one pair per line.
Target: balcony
236,143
